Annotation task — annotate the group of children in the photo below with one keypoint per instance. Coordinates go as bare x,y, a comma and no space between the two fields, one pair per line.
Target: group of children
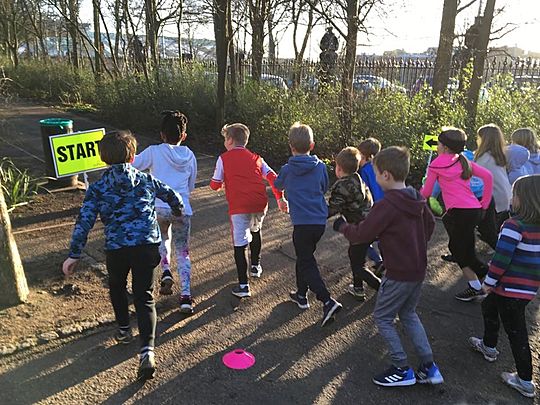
374,206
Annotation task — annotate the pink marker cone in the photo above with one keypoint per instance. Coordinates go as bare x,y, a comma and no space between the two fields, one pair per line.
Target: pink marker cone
238,359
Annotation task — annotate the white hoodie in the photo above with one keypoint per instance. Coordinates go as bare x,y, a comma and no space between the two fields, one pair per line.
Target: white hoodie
174,165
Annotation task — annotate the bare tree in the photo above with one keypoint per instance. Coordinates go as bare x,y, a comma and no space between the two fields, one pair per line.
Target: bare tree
479,59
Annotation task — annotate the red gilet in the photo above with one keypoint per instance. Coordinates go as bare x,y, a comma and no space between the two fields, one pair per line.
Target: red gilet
243,178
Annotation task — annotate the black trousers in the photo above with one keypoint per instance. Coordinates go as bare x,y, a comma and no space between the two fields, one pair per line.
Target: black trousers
490,226
141,260
460,224
357,257
308,276
511,311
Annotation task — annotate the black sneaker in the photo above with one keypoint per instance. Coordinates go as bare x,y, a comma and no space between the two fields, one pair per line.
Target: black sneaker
396,377
357,292
302,302
470,294
448,258
241,292
256,271
329,310
378,269
186,304
147,367
165,287
123,337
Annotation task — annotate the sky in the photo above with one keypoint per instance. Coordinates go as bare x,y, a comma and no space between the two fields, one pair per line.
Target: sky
412,25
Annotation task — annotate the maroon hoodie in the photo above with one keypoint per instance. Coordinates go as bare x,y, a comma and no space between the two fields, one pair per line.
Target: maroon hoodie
403,224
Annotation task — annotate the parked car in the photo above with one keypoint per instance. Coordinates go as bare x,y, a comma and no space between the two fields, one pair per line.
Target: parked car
274,81
370,83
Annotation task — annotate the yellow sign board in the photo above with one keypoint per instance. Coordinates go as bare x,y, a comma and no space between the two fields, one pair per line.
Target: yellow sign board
430,142
77,152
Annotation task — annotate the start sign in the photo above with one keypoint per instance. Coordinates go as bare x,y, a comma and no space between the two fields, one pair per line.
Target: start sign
76,152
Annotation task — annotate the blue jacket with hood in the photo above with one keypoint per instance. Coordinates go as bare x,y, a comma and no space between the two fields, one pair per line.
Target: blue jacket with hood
305,180
125,199
517,156
533,165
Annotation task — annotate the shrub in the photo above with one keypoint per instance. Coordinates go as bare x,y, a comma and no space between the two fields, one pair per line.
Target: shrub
17,185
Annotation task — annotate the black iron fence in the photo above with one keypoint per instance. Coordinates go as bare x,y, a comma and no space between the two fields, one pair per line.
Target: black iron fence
404,74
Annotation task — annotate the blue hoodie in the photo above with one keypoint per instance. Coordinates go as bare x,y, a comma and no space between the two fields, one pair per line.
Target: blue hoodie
305,181
533,165
125,199
368,176
517,156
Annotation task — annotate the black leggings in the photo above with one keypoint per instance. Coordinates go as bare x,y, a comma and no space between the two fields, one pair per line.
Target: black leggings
460,224
511,311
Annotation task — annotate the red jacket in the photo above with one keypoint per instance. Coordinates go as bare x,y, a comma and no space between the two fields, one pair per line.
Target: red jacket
403,224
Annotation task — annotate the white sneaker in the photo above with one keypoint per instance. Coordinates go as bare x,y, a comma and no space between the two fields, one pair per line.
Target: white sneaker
525,388
490,354
256,271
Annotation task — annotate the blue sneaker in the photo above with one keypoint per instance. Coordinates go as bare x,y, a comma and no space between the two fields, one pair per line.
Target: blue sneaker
302,302
429,374
396,377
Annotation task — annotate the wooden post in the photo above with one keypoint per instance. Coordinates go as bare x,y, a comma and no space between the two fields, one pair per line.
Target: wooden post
13,287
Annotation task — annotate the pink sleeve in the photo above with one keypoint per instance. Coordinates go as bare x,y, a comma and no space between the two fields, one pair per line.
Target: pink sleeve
427,189
487,178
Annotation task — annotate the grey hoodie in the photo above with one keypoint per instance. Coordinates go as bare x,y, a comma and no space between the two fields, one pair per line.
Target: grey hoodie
517,156
174,165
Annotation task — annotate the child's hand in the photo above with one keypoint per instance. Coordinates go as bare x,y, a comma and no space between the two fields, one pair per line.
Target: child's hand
487,288
69,266
283,205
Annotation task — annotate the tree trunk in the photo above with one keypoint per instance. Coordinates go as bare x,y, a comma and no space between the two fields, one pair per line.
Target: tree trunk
152,30
97,39
299,53
12,278
232,58
348,72
271,41
221,11
443,60
479,59
179,28
73,8
258,11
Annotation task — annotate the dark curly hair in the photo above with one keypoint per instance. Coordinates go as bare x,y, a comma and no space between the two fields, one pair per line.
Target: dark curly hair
173,125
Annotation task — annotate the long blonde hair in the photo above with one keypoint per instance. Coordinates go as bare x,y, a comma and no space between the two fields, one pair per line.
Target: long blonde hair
491,140
526,137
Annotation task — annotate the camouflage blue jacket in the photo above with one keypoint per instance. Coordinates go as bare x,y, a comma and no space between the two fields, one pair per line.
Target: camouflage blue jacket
124,198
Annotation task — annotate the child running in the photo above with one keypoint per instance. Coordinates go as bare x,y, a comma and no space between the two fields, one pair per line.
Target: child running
526,137
464,212
512,282
368,149
242,172
518,157
403,223
490,155
125,198
176,166
305,180
350,197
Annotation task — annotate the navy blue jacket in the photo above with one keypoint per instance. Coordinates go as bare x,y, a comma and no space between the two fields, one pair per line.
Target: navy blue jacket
305,180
